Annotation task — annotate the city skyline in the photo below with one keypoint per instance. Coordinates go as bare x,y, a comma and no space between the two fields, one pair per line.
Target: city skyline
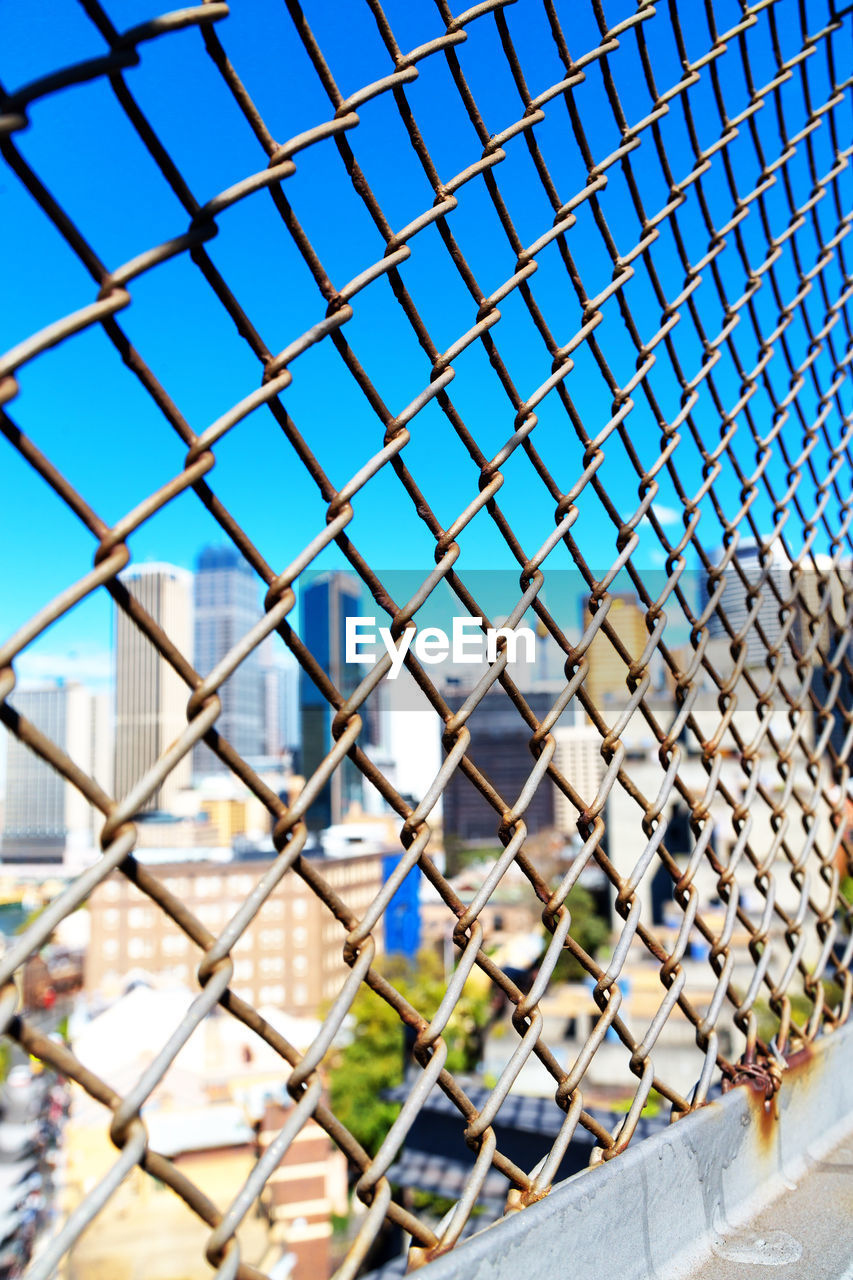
87,652
276,723
141,706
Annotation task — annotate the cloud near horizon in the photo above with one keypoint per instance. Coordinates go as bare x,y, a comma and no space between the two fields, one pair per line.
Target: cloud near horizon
90,667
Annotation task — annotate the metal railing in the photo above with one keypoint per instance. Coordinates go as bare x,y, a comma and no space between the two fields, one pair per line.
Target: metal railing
669,215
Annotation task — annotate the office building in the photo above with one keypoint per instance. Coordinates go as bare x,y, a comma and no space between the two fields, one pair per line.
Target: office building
291,955
824,589
607,678
578,758
327,602
151,698
500,749
46,819
226,607
280,683
772,585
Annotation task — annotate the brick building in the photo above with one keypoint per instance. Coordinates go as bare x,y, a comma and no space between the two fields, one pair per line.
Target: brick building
290,955
309,1184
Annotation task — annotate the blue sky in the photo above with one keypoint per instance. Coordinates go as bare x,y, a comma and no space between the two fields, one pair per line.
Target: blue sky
88,413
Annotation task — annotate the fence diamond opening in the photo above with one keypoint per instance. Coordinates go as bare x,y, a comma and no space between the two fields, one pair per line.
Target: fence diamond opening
589,304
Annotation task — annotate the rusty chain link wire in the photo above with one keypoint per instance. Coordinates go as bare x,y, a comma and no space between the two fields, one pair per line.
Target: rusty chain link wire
711,360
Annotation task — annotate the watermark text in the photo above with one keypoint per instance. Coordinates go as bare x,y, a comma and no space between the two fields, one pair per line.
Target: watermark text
468,641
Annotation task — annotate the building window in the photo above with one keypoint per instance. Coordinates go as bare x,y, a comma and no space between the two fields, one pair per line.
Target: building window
174,944
271,995
208,886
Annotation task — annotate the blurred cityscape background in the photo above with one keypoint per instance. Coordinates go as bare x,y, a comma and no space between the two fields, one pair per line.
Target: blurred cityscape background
118,972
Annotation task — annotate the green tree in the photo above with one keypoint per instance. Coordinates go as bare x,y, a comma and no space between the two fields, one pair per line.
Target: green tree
588,929
361,1071
373,1061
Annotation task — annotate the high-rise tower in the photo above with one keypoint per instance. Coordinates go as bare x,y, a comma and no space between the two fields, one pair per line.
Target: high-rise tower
326,604
226,604
747,584
46,819
151,698
607,679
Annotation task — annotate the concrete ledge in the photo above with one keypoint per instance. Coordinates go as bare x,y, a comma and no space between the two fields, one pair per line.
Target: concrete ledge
709,1197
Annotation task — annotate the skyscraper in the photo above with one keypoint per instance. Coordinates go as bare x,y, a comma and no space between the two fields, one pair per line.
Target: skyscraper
226,598
151,698
280,677
327,602
607,678
500,748
45,817
735,603
579,759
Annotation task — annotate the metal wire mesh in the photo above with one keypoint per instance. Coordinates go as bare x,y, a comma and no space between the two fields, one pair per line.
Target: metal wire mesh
684,297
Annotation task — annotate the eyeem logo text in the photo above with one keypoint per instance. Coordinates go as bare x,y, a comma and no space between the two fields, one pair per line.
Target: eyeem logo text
468,642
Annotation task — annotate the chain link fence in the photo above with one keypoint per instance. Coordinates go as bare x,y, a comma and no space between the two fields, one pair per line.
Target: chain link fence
652,353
